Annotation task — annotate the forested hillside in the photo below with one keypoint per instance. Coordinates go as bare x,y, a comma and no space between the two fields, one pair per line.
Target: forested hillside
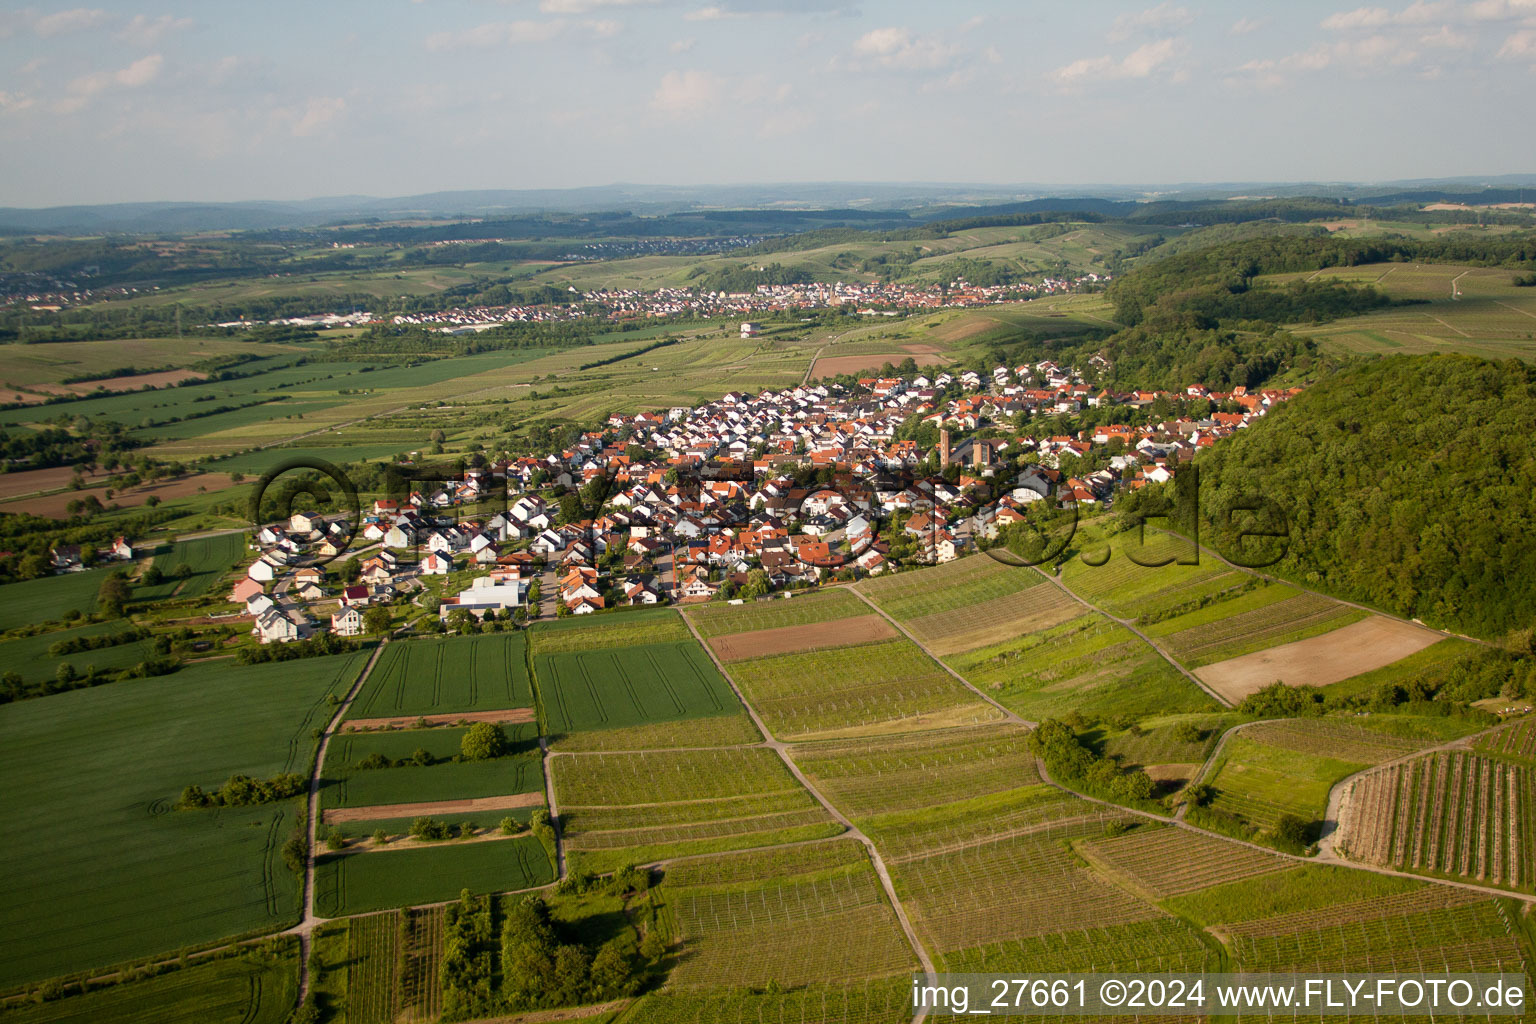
1408,484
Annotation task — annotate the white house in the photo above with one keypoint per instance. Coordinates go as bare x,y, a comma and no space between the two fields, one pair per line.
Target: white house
436,565
347,622
263,570
275,627
258,603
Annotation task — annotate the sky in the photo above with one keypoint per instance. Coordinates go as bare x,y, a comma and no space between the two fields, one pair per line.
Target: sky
283,100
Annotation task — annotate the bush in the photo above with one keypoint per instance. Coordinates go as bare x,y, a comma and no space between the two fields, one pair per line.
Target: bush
483,742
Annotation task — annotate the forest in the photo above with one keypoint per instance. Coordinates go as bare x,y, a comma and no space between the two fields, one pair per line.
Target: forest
1407,484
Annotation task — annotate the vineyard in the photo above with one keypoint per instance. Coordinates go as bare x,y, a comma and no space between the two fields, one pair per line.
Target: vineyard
858,629
1128,590
714,731
885,687
1452,813
1158,945
914,595
712,620
1087,664
867,777
1163,862
994,620
813,923
1515,742
373,968
1260,781
612,688
880,1001
639,807
635,628
424,677
1262,618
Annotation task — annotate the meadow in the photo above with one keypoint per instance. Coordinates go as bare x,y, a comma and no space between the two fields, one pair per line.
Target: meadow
444,676
344,784
150,877
613,688
29,657
357,883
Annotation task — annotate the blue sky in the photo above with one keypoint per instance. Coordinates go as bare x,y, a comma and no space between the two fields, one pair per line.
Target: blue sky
285,100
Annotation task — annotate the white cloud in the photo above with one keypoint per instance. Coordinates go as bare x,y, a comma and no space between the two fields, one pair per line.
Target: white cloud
683,45
146,31
1368,54
1141,62
497,34
13,102
141,72
687,92
898,49
1519,45
1424,12
317,114
1164,15
586,6
78,19
1447,38
1243,26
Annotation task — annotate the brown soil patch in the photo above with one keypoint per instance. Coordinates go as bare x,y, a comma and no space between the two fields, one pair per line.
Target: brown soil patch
31,481
921,350
10,395
861,629
1179,774
1320,660
829,366
133,383
516,715
381,812
56,506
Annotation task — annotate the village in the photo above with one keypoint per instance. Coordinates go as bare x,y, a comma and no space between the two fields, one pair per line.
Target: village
736,498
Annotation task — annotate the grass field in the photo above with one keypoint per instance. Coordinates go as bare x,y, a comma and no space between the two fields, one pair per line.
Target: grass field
251,989
1087,664
361,882
117,757
712,620
624,629
209,558
49,597
1476,310
426,677
891,686
639,807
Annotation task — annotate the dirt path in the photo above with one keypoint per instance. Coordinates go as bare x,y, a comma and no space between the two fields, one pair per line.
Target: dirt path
782,749
306,926
554,808
517,715
384,812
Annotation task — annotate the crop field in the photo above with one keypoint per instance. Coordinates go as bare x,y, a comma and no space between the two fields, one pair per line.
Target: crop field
345,785
860,629
1086,664
49,597
882,1001
991,621
1451,813
639,807
356,883
373,954
209,558
1167,861
612,688
891,686
626,629
235,990
811,922
712,620
28,656
424,677
1350,649
150,873
1263,617
871,777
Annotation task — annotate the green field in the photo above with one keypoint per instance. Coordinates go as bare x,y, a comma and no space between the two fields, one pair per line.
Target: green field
619,629
210,559
966,581
116,757
251,989
28,656
713,620
427,677
357,883
345,785
613,688
49,597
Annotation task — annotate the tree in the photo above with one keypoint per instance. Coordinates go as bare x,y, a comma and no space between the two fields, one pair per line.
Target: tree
335,839
377,619
484,741
1293,831
182,571
152,577
113,596
757,584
